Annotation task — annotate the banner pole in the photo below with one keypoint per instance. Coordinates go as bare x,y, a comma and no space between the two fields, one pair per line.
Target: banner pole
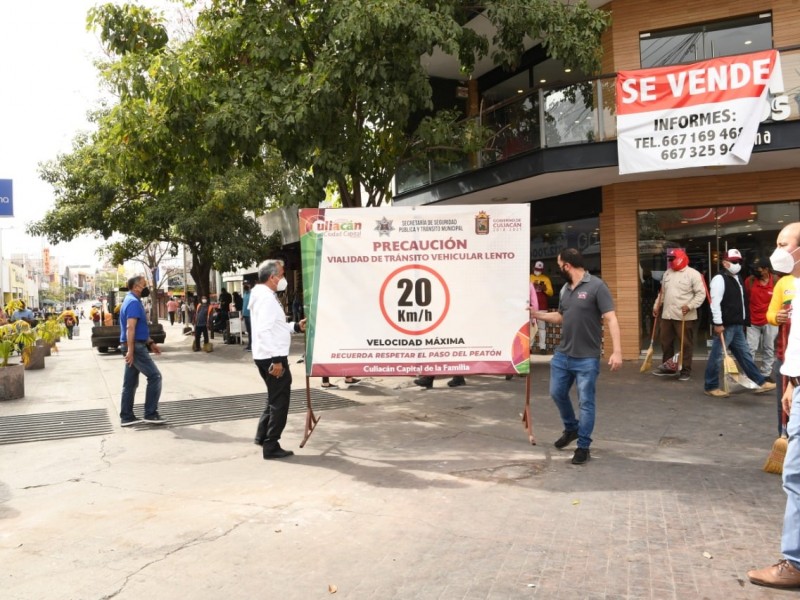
526,414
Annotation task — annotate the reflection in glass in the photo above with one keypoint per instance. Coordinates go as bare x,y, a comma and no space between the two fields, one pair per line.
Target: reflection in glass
706,233
710,40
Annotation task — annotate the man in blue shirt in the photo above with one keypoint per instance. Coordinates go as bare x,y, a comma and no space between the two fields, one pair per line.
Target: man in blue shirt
135,342
23,314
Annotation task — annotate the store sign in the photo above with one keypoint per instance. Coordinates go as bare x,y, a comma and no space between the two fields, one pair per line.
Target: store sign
439,290
6,198
703,114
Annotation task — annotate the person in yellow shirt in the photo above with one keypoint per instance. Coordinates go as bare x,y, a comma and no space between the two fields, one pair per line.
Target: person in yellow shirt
780,313
544,289
70,319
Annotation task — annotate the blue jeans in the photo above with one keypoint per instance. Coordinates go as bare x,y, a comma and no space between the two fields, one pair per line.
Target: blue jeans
790,540
736,343
764,336
142,363
564,371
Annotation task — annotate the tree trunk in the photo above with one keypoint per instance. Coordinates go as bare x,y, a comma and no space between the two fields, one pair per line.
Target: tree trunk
201,273
153,295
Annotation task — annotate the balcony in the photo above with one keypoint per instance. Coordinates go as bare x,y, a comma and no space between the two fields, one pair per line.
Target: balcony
579,114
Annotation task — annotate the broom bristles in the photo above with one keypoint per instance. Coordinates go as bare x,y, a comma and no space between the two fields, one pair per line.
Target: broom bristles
774,462
648,361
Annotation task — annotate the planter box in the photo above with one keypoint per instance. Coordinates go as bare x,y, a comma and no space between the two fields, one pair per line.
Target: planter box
36,357
12,382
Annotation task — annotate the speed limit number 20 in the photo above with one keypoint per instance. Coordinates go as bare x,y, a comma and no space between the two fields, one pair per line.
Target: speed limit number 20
414,299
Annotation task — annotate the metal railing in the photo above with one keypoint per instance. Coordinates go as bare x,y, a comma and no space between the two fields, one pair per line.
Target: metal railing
548,117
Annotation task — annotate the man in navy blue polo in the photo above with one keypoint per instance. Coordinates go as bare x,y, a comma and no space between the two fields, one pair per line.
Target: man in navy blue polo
135,342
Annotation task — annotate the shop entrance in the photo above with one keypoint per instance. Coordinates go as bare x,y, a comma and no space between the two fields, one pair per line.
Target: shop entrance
705,234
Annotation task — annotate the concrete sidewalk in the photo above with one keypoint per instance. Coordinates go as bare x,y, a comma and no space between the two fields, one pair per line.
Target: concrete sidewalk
409,493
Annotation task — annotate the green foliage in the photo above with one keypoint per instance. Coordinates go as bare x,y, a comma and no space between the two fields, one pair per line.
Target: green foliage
14,338
269,103
335,85
49,331
156,171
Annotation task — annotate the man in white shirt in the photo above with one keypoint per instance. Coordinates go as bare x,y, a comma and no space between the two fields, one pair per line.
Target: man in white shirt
270,345
786,572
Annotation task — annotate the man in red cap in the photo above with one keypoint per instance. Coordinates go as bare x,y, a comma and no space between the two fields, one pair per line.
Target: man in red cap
730,314
682,293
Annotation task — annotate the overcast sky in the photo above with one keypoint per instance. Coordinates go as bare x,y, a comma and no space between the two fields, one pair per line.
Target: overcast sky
49,83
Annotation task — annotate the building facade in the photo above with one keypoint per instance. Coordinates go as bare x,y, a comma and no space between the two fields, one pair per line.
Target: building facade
555,148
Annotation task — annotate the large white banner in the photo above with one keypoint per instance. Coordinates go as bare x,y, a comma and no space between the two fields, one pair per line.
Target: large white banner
702,114
437,290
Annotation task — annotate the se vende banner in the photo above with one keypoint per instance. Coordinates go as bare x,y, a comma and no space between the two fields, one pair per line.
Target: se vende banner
440,290
702,114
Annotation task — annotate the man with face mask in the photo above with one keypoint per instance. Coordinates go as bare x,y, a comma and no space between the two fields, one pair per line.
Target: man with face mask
759,287
584,304
203,312
729,313
786,572
270,345
135,342
682,293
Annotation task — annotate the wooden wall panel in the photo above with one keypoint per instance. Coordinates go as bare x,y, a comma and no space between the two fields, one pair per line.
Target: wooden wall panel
619,234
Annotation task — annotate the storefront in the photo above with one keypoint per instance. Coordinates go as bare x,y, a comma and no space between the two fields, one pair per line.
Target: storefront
704,215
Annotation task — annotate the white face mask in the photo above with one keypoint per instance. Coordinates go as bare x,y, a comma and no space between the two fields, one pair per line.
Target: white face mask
282,284
734,268
782,261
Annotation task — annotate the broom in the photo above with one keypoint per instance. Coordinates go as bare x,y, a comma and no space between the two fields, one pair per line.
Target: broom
774,462
680,354
648,359
728,365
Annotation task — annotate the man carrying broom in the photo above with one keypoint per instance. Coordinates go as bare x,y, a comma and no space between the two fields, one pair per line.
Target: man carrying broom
682,293
730,315
786,572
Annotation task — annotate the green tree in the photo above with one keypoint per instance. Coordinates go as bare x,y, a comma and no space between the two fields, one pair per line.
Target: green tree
153,171
337,86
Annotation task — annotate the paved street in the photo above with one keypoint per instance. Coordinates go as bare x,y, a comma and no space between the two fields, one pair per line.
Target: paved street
399,493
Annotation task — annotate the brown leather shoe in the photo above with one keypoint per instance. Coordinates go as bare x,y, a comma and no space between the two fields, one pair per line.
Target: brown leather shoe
780,575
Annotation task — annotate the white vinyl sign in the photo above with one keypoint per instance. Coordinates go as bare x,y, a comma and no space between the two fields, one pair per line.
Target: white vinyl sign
419,290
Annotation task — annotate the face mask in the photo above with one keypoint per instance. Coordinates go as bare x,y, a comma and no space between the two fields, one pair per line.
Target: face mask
145,292
203,301
282,284
734,268
782,261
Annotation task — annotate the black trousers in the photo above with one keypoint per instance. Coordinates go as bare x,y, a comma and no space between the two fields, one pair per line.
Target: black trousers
273,419
198,330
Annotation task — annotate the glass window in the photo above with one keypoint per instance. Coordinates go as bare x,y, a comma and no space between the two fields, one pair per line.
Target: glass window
547,241
709,40
705,234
